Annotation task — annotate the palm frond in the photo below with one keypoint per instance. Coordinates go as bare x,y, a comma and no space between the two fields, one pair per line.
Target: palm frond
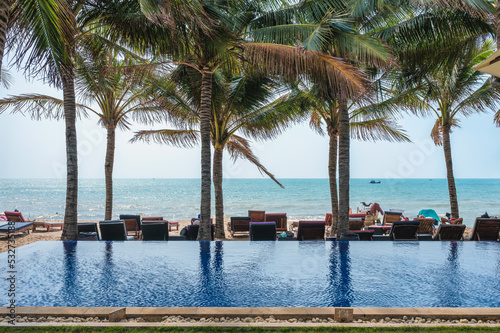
239,147
176,138
378,129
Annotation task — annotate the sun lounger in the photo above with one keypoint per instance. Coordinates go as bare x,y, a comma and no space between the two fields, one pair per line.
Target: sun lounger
257,215
132,224
356,224
450,232
155,231
262,231
280,219
114,231
328,219
192,231
17,228
240,224
426,226
391,217
311,230
404,230
87,231
364,235
486,229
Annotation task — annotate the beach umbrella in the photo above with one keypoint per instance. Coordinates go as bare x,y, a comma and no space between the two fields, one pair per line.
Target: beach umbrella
491,65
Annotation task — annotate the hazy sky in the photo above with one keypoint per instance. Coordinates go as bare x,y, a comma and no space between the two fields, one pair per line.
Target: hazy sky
36,149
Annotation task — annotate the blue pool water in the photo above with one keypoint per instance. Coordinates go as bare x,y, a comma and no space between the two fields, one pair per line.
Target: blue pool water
289,274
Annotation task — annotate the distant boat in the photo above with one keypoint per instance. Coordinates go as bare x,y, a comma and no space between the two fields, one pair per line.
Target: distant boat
374,181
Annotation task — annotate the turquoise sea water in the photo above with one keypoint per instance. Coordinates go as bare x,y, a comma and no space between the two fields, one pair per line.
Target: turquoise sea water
301,198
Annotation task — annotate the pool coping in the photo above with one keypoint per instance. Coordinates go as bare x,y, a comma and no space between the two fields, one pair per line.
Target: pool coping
157,313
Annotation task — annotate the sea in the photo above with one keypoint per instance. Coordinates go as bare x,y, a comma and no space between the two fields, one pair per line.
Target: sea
301,199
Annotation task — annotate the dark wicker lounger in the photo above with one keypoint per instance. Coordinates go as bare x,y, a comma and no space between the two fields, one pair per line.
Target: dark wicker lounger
19,227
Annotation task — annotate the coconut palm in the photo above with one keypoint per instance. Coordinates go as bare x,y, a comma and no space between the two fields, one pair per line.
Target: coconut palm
119,95
228,35
250,104
369,120
5,8
457,90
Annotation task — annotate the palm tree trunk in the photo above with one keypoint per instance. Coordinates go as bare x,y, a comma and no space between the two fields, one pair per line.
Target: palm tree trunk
344,176
497,25
108,172
4,20
70,231
332,174
219,195
449,172
206,181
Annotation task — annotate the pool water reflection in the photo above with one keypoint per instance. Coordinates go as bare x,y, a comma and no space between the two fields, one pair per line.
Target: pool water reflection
289,274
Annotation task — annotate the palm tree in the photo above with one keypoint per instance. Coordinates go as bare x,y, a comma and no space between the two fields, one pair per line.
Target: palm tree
5,7
119,94
228,35
369,120
250,104
457,90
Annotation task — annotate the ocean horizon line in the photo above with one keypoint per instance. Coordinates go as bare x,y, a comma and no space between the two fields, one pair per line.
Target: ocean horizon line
249,178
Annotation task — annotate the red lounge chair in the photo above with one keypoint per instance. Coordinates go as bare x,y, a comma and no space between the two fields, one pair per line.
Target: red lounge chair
311,231
257,215
280,219
18,217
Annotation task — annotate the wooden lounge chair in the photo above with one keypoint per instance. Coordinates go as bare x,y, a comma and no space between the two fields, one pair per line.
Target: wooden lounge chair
404,230
426,226
257,215
155,231
240,224
280,219
18,217
356,224
15,229
391,217
132,224
486,229
262,231
114,231
450,232
311,230
87,231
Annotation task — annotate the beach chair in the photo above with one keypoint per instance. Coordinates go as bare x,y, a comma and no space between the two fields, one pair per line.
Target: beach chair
486,229
311,230
114,231
391,217
450,232
155,231
426,226
15,229
240,224
280,219
257,215
132,224
356,224
192,231
87,231
262,231
18,217
404,230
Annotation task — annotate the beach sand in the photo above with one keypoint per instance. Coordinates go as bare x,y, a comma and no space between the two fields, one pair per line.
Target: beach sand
54,235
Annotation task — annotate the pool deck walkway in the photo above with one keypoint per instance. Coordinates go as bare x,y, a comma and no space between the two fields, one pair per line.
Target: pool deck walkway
157,313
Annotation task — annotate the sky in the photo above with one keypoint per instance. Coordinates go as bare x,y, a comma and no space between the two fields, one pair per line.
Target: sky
36,149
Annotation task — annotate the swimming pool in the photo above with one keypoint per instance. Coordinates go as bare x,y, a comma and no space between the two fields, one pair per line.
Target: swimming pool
262,274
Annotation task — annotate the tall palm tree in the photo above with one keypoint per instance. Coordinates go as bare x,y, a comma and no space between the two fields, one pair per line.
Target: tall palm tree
369,120
250,104
5,8
457,90
119,94
228,35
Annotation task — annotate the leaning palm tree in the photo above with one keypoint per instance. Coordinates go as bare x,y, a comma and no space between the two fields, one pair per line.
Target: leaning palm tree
369,120
230,34
457,90
119,94
250,104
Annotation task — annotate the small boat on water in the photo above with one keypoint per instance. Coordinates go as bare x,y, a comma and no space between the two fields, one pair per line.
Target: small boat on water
374,181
